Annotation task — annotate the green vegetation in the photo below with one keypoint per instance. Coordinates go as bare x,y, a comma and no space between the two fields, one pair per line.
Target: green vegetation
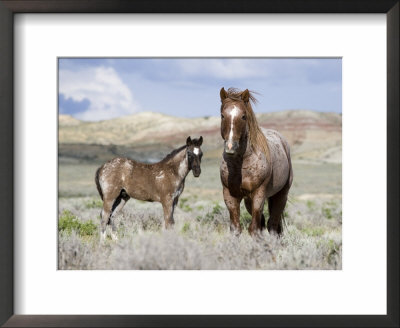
186,227
313,232
211,215
245,218
327,212
184,205
94,203
69,222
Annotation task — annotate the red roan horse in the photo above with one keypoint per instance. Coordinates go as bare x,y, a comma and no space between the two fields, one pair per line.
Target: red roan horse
255,164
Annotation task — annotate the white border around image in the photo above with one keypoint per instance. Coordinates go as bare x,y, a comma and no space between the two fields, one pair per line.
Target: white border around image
359,288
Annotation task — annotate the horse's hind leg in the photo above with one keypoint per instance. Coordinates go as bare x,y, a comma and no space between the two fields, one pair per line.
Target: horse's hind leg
117,206
247,202
105,218
276,206
111,205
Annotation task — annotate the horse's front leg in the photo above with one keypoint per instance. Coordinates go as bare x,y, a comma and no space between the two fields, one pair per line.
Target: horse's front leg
257,206
233,205
168,205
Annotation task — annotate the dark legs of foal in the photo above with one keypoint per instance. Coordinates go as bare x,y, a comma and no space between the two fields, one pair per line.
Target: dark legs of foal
111,206
168,205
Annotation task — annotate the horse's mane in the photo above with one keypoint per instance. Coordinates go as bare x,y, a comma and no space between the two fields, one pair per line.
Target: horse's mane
256,136
172,154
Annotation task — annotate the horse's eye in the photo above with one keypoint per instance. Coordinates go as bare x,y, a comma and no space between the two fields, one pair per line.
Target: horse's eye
244,117
222,116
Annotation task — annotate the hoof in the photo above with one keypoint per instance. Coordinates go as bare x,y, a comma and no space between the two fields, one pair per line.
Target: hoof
103,236
114,236
274,229
235,230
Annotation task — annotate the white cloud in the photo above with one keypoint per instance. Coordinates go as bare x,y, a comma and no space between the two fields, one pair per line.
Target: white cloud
108,95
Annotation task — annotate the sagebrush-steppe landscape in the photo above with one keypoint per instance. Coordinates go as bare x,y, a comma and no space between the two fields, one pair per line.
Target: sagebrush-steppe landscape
200,239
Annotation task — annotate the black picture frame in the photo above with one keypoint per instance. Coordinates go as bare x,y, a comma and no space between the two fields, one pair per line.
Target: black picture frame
7,191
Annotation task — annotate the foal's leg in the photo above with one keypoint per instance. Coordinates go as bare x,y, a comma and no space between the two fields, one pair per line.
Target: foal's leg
119,203
233,205
247,202
105,218
106,213
257,206
168,205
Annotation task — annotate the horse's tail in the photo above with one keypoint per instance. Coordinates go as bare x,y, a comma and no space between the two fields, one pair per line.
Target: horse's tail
290,177
96,179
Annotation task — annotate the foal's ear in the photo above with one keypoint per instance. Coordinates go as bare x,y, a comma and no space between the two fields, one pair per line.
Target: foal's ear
200,141
188,141
223,94
245,95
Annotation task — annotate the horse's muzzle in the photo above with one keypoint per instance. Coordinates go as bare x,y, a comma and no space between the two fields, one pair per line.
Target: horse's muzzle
196,173
231,147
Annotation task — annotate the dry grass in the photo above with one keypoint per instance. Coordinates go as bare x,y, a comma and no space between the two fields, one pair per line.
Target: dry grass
201,238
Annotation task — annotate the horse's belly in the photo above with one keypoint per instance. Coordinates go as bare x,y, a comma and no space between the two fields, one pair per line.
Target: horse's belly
278,179
141,193
280,162
141,188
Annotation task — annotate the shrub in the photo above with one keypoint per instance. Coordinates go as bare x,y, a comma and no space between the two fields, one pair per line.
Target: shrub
184,206
327,212
209,217
245,218
94,203
217,209
186,227
68,222
310,204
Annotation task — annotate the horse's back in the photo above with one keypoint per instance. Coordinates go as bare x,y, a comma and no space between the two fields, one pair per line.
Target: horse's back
280,160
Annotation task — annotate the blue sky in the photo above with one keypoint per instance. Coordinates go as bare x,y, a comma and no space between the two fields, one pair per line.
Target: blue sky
98,89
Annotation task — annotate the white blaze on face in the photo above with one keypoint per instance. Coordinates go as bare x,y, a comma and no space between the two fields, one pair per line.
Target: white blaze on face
196,151
233,113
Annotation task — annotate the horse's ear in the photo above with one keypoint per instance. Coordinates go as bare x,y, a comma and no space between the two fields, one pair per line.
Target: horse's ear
188,141
200,142
223,94
245,95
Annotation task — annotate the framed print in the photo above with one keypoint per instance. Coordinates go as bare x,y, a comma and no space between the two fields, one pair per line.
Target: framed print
67,86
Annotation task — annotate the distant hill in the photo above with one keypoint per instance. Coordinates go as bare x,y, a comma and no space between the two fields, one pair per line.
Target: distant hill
313,136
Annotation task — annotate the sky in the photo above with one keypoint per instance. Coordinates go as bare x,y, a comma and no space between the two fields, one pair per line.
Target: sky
94,89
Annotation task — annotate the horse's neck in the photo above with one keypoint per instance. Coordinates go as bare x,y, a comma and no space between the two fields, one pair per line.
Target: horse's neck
180,164
248,150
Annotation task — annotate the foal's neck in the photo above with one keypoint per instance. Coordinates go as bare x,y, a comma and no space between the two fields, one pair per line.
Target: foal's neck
180,164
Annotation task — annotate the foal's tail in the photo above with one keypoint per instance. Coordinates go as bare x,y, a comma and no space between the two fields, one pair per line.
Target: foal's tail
96,179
